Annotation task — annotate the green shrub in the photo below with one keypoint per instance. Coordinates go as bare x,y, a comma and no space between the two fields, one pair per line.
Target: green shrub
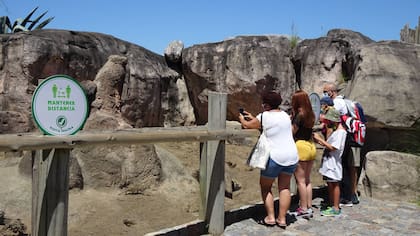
294,38
294,41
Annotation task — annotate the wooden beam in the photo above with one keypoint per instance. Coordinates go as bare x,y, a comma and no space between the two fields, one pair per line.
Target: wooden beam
215,174
31,141
50,192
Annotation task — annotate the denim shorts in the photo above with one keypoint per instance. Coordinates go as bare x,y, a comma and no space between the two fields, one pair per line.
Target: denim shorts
273,170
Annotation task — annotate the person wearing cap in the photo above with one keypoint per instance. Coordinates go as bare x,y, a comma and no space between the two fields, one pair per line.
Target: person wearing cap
326,102
352,155
331,91
331,167
283,156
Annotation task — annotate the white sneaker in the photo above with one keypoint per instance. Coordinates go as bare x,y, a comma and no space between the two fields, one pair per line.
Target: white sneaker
346,203
310,213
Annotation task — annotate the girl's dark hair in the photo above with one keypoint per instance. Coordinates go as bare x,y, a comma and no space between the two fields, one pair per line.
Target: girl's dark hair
273,99
301,106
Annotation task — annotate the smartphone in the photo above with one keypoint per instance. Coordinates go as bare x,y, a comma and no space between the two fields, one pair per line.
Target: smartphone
241,110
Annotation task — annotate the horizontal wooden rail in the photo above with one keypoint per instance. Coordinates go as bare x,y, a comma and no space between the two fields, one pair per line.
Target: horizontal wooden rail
50,169
32,141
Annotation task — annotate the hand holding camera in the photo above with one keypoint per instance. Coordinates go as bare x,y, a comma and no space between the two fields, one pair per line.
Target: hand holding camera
245,114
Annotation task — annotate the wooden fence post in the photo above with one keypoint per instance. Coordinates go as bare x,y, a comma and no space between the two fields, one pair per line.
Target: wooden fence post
50,192
212,167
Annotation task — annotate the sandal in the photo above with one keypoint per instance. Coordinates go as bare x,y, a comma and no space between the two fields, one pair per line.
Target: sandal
262,222
281,225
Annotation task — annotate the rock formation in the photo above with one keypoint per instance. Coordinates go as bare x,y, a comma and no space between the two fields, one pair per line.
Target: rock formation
327,59
392,175
129,86
30,56
134,168
243,67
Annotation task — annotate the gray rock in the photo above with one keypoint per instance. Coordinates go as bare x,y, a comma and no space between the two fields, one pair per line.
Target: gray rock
133,169
327,59
176,106
1,217
244,67
355,39
393,175
109,82
173,53
386,81
30,56
129,86
75,174
318,61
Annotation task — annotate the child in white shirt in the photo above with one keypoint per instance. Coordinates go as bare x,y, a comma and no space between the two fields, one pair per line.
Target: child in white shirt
331,167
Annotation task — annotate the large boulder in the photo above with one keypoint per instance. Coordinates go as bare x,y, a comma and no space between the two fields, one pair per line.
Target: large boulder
392,175
177,109
28,57
386,81
109,82
173,54
383,76
327,59
318,61
355,39
133,168
243,67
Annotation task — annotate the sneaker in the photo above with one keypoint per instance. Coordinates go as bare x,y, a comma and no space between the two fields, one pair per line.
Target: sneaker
300,212
347,203
330,211
310,213
355,199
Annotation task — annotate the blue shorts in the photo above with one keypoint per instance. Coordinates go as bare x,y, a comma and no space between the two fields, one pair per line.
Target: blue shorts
273,170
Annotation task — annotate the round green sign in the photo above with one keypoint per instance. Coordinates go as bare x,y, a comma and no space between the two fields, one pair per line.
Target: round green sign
59,105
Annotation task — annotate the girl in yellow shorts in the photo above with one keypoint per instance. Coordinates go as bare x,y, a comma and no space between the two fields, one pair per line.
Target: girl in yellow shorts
303,119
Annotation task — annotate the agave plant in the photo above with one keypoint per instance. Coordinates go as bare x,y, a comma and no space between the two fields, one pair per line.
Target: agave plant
4,24
20,24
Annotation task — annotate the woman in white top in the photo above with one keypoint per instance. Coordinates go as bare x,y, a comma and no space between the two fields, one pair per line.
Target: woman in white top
283,155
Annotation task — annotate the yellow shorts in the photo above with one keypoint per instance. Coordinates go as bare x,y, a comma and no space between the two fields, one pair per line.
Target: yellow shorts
306,150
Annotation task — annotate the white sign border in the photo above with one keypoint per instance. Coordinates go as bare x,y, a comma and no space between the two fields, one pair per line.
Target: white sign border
33,107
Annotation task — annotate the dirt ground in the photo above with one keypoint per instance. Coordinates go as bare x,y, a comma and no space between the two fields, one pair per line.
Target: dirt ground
175,201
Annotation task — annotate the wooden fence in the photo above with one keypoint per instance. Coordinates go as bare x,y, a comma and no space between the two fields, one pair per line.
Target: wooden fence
51,164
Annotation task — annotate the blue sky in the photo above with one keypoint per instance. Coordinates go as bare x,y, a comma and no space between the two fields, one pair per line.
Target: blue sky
153,24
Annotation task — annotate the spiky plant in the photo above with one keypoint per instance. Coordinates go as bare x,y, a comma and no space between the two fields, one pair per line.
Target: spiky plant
20,24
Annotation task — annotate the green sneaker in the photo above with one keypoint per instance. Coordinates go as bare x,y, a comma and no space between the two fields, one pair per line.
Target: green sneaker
330,211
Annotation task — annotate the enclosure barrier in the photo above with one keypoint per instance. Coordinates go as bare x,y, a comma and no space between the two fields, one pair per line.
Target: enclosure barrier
50,170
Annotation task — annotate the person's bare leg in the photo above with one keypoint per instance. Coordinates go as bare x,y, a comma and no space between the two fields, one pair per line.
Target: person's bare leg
268,199
330,193
284,197
335,195
301,184
353,178
307,167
